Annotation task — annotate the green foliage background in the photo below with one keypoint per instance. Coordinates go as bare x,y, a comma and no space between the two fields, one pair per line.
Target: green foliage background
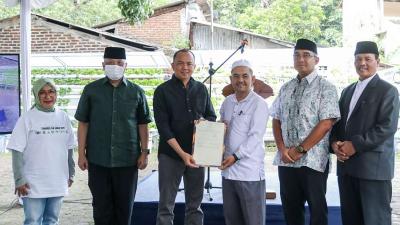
318,20
86,13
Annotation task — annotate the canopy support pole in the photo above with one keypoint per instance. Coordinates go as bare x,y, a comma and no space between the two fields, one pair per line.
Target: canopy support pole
25,53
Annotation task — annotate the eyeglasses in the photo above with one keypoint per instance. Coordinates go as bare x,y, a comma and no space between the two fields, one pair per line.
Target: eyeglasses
43,94
181,64
240,76
305,56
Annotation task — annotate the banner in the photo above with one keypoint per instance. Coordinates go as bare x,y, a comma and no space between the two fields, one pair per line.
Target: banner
9,92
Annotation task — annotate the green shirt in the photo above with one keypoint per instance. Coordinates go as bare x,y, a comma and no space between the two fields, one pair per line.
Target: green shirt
113,114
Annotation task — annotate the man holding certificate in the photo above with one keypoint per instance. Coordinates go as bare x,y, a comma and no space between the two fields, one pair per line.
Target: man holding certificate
178,103
243,184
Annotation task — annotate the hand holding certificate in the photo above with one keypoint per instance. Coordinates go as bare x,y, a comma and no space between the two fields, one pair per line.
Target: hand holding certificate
209,143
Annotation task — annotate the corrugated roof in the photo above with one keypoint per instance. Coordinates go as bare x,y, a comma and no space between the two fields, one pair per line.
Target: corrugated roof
273,40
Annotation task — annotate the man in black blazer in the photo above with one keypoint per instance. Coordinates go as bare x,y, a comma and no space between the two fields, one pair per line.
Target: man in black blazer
363,141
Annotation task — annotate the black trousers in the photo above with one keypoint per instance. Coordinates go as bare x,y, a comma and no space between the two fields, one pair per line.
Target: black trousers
365,202
113,191
298,185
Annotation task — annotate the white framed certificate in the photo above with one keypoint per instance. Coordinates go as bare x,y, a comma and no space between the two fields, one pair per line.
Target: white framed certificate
209,143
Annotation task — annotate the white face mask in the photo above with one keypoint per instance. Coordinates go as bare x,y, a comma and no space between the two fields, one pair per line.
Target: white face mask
114,72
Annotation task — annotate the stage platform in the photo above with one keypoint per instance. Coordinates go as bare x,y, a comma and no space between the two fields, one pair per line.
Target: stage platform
146,202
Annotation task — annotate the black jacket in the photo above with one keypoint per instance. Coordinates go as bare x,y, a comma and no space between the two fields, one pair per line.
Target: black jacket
371,128
175,108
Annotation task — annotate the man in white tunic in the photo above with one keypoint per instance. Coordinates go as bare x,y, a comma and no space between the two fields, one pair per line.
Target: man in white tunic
243,184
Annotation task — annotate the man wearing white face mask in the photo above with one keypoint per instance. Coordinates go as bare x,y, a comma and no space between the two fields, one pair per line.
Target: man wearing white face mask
114,72
112,139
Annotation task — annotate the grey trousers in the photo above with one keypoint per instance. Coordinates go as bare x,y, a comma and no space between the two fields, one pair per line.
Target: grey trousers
365,202
244,202
170,173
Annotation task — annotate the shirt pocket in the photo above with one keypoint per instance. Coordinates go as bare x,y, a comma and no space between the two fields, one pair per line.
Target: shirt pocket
128,110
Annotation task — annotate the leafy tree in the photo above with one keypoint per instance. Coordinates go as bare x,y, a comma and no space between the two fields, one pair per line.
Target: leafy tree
135,11
91,12
285,19
6,12
87,13
228,11
318,20
332,24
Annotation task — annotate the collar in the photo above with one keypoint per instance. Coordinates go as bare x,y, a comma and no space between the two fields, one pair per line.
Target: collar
366,81
177,81
106,80
309,78
248,97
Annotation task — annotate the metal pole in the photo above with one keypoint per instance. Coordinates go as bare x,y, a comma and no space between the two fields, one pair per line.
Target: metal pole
25,51
212,24
208,184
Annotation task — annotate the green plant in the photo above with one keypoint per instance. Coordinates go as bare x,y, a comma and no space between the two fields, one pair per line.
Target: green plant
71,71
135,11
62,102
64,91
146,82
79,81
180,41
145,71
152,125
149,92
72,81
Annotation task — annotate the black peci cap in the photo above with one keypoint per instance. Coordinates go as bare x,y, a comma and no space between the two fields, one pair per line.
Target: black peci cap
114,53
366,47
306,44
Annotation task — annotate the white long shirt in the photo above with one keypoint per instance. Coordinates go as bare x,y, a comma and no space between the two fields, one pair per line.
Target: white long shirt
360,86
247,121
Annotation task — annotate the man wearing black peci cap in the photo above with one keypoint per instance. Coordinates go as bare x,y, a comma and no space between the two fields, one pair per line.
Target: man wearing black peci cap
363,141
303,114
112,139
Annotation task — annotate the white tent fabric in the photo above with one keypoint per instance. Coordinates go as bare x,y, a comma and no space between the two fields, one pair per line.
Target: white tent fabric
155,59
36,4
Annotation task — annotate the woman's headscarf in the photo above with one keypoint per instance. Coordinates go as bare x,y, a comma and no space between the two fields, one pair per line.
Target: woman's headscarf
37,86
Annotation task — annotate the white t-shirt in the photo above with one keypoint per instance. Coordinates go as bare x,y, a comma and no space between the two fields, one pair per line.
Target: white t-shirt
44,139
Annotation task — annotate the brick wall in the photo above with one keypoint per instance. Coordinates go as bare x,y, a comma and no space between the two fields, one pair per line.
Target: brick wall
47,39
160,29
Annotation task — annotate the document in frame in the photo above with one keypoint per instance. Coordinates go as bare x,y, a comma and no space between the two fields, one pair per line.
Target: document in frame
209,143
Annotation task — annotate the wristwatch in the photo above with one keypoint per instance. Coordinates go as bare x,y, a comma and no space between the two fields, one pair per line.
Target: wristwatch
300,149
147,151
235,156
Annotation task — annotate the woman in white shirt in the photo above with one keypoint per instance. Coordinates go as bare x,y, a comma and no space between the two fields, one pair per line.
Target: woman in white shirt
41,145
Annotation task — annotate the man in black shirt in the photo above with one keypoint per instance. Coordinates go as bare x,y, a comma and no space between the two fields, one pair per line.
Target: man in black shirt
178,103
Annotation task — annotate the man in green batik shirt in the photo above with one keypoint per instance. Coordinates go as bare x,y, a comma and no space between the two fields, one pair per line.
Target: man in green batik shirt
112,139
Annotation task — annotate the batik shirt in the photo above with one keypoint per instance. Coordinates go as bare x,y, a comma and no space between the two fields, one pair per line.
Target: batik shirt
300,106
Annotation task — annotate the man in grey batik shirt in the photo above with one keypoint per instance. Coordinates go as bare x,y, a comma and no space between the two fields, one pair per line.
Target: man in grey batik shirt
303,114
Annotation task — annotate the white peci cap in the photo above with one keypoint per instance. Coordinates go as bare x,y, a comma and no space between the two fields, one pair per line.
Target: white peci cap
241,62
